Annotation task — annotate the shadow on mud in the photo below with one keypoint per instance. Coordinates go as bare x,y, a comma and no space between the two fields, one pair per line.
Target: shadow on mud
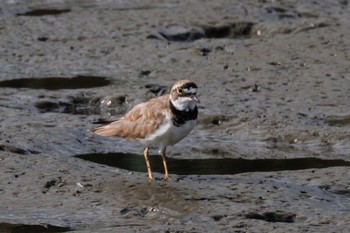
136,163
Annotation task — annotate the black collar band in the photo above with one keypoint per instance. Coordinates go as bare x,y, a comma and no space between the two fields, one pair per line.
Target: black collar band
180,117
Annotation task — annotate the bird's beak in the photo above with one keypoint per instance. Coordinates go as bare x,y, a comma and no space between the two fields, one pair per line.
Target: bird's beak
195,99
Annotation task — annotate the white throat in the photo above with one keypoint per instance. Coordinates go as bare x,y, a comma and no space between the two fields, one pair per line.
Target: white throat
183,103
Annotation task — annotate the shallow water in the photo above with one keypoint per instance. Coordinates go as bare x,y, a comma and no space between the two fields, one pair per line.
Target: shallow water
226,166
22,228
57,83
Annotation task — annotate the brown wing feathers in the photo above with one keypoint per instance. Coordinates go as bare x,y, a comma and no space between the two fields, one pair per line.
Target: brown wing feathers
138,122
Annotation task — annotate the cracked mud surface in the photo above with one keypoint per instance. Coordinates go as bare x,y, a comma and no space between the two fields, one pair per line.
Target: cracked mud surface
271,149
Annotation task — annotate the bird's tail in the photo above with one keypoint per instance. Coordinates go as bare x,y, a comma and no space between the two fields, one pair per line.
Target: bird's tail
106,130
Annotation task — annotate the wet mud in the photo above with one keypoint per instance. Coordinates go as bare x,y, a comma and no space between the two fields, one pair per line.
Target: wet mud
271,149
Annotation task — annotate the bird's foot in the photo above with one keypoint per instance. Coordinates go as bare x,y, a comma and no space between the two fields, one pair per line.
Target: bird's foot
166,178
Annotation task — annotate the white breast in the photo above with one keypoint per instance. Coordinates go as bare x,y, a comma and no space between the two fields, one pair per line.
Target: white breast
169,134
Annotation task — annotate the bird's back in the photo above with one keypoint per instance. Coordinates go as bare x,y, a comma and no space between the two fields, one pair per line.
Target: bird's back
140,121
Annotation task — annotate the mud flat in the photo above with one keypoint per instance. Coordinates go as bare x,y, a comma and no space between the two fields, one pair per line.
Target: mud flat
271,150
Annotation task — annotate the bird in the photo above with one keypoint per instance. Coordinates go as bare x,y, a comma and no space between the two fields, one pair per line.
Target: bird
161,121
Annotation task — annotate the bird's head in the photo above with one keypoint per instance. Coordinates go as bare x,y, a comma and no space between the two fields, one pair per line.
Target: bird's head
183,95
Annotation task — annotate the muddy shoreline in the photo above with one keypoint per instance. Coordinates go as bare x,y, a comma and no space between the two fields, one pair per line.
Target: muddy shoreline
271,149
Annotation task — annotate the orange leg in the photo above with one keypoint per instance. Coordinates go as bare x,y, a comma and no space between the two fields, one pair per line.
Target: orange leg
166,176
145,153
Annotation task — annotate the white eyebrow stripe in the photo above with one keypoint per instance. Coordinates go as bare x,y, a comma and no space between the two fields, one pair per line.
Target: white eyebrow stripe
190,91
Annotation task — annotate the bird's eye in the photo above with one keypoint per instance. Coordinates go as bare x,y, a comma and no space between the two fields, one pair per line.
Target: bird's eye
180,91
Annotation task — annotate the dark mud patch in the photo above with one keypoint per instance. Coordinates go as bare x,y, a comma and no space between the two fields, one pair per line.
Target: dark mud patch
58,107
281,12
278,216
136,211
17,150
57,83
44,12
233,30
328,188
338,120
177,33
345,192
136,163
22,228
214,120
156,89
51,183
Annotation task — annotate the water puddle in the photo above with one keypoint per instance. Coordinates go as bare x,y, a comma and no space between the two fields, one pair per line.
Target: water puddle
57,83
22,228
136,163
43,12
